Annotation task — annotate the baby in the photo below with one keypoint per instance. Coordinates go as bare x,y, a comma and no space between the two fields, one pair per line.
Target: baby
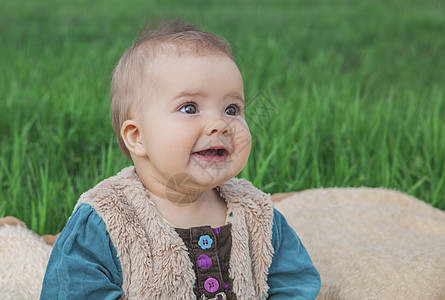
177,224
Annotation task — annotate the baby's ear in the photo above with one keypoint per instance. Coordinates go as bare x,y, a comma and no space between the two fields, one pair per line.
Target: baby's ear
132,138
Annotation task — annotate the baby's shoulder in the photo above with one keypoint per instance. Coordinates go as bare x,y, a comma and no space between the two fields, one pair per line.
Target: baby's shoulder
83,221
113,187
243,192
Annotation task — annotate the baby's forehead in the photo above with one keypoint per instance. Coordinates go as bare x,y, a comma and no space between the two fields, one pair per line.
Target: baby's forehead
157,59
176,75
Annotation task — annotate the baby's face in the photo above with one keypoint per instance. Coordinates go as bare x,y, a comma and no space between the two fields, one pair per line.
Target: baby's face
192,120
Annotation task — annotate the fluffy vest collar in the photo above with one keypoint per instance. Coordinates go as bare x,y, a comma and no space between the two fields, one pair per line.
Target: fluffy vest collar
154,260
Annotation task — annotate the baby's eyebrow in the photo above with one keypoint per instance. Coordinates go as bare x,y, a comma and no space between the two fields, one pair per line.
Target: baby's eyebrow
194,94
190,94
236,96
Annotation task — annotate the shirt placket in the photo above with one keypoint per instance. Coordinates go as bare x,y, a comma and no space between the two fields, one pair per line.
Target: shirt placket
205,255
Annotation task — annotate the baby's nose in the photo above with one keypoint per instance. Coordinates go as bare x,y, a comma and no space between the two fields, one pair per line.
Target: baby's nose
217,126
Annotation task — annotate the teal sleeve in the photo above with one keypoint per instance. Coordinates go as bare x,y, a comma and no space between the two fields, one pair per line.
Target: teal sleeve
84,262
291,274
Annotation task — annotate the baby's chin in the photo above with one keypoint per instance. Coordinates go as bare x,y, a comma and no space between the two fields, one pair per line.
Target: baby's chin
212,178
208,183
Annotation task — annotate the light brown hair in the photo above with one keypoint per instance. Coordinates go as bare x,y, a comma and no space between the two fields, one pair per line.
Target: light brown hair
130,71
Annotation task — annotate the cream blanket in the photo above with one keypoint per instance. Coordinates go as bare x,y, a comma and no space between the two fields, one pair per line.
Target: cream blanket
23,259
371,243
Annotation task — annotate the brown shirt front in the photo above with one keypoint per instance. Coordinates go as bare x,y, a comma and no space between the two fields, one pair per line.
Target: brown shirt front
209,250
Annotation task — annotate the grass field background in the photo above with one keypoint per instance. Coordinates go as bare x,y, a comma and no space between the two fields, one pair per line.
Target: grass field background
340,93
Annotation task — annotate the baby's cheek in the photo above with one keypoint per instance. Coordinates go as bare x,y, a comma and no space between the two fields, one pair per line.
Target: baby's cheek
242,135
243,143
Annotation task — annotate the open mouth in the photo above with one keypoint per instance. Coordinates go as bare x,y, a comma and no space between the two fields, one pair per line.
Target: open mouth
212,154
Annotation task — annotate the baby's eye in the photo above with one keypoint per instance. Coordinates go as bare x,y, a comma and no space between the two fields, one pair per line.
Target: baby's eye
189,108
232,110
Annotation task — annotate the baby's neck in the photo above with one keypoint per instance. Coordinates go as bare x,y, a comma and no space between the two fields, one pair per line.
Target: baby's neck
208,208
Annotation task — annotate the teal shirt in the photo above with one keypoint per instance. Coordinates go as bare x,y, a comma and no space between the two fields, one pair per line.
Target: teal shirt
84,262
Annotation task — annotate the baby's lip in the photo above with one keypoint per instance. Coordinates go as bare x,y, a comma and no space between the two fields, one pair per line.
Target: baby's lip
212,154
218,150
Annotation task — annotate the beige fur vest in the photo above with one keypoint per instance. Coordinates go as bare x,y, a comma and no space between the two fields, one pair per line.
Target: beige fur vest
154,260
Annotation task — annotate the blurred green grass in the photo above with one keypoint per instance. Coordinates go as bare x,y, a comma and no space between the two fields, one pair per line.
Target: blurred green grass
340,93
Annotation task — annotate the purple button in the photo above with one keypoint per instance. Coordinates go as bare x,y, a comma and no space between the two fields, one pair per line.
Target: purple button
211,285
204,262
